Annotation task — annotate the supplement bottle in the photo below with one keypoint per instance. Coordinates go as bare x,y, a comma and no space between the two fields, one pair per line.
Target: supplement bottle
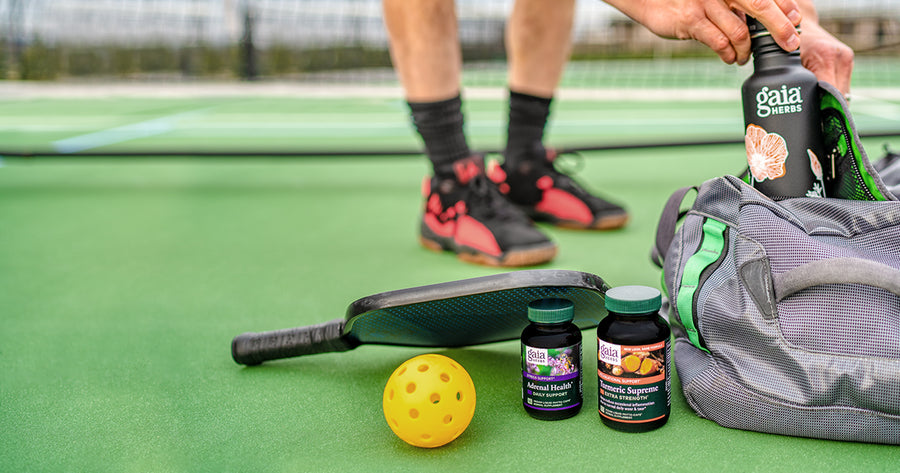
783,132
633,361
551,361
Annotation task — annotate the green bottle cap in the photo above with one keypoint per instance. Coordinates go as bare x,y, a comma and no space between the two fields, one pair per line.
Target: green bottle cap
551,311
633,300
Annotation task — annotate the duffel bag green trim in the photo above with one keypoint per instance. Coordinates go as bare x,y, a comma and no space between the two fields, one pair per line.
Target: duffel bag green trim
711,249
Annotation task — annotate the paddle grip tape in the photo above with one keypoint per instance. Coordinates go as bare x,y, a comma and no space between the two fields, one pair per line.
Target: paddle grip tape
254,348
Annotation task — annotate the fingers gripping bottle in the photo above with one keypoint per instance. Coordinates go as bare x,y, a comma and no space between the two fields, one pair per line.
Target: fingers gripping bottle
783,132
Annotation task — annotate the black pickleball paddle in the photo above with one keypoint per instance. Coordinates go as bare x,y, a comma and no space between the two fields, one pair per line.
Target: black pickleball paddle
449,314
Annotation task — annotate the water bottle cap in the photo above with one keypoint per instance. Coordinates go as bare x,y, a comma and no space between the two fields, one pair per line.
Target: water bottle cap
756,28
762,42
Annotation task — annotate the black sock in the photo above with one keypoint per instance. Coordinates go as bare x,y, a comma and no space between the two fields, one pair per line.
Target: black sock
525,133
440,124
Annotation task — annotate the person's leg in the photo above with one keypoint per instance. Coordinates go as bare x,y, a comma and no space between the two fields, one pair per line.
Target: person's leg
425,51
464,212
539,42
538,45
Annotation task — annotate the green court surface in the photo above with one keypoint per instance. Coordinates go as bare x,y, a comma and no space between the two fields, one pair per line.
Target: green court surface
286,124
618,103
124,280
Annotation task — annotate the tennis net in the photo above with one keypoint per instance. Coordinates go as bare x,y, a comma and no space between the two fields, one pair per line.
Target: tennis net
165,76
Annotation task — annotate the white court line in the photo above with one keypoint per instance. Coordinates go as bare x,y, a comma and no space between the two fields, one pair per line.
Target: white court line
13,90
24,90
874,107
156,126
306,129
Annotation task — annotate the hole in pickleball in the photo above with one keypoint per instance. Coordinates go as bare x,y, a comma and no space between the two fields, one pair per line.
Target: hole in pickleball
402,370
391,395
423,368
426,437
458,396
394,421
448,419
411,388
413,413
435,398
445,377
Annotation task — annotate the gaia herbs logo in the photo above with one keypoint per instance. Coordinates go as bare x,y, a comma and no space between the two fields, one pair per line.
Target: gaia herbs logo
778,101
535,356
609,352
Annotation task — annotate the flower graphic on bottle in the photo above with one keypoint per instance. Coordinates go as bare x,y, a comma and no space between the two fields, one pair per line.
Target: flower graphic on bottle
818,189
814,164
558,362
766,153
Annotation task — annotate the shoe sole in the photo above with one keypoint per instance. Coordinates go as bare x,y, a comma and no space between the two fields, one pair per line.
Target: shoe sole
608,222
530,256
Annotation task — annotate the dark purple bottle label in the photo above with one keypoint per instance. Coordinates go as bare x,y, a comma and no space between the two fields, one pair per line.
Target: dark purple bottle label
551,377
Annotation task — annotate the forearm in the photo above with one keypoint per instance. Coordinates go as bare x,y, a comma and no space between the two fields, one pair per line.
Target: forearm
829,58
808,10
719,24
631,8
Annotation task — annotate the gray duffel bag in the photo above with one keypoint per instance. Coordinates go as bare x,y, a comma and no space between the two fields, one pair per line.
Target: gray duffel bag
786,315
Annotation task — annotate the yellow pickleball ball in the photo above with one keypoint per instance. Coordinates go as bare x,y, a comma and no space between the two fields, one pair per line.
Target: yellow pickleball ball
429,400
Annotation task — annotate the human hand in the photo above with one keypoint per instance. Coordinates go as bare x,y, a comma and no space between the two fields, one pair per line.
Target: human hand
828,58
719,24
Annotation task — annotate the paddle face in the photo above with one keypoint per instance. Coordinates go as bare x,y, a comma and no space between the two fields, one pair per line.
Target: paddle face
470,311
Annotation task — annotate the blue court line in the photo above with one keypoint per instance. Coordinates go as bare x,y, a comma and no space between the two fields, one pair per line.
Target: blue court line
156,126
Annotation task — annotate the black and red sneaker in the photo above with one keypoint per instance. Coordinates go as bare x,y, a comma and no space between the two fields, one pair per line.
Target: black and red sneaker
548,195
468,215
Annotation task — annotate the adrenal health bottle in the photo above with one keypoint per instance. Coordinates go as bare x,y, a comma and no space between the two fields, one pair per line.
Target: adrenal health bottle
783,132
551,361
633,352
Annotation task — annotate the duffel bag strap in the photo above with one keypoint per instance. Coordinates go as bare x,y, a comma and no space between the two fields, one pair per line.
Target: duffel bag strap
668,223
836,271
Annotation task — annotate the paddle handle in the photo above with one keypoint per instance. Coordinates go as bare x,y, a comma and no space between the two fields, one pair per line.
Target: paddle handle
254,348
